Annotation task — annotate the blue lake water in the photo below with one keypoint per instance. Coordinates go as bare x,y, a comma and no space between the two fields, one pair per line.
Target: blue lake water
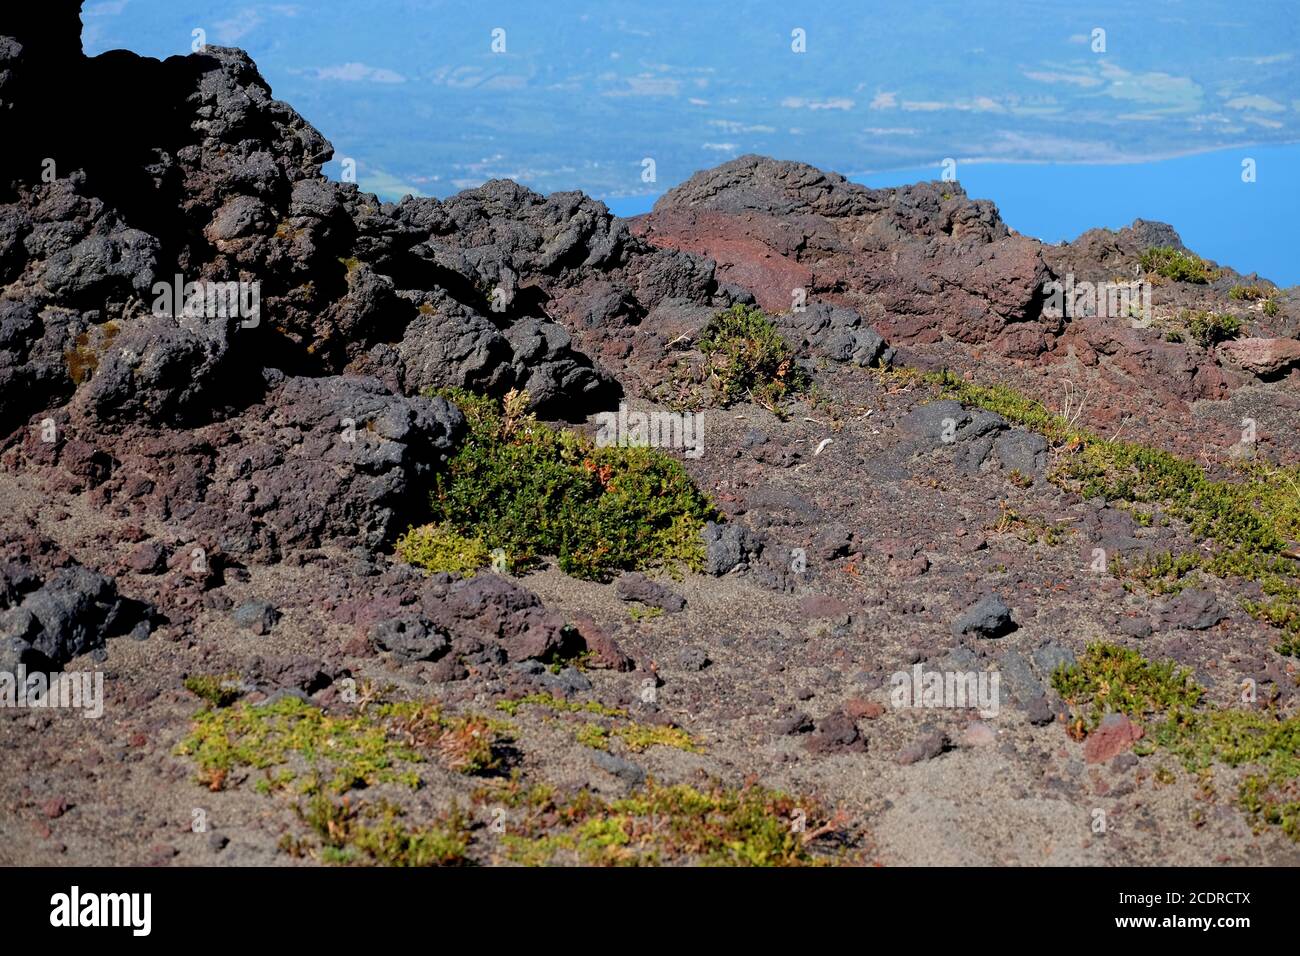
1249,226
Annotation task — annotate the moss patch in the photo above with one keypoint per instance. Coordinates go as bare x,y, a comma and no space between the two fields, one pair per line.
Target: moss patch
713,826
82,360
643,612
214,691
592,735
363,749
534,491
636,737
560,705
639,737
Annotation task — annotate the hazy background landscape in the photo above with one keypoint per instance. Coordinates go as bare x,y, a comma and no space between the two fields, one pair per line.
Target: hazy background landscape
1061,135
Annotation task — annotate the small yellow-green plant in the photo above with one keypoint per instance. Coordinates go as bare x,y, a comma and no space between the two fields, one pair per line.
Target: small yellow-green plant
559,704
1162,573
644,612
1112,679
635,736
378,745
639,737
215,691
1247,293
1028,529
711,826
437,547
375,835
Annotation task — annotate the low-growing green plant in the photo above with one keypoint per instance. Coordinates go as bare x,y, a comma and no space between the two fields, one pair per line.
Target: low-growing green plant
636,737
1176,265
1019,479
1030,530
639,612
369,747
711,826
1162,573
745,357
592,735
1270,804
558,704
1108,678
615,724
375,835
1253,522
1210,328
1247,293
1235,737
215,691
534,491
437,547
639,737
1112,679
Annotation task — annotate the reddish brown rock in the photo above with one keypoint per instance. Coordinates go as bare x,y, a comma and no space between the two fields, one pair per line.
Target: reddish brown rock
836,733
1115,735
920,261
1263,357
860,709
822,606
605,651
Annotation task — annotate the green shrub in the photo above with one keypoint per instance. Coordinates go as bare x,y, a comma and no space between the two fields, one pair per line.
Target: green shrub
746,358
1176,265
1210,328
535,491
1247,293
